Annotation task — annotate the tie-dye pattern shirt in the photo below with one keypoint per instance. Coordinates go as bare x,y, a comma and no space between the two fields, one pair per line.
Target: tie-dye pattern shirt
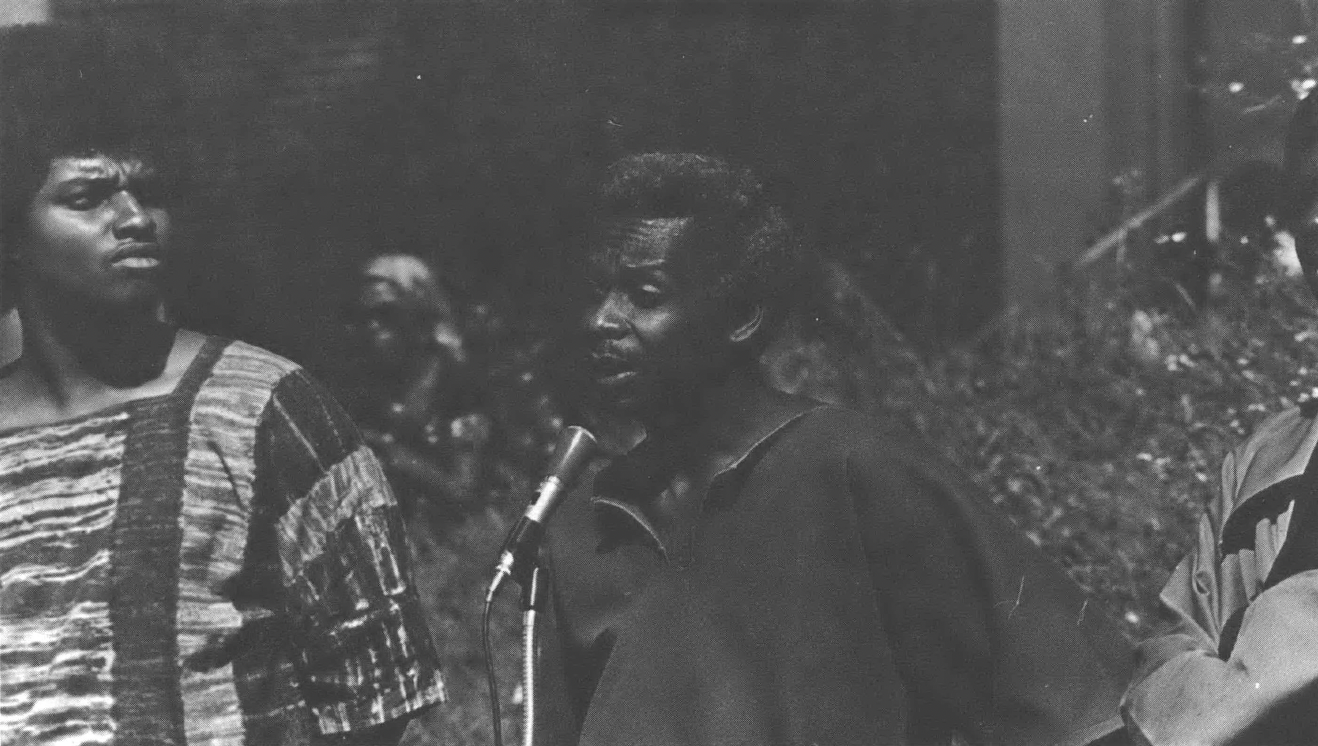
221,565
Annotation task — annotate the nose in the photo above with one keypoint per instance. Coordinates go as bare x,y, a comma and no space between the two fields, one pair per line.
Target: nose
608,321
132,220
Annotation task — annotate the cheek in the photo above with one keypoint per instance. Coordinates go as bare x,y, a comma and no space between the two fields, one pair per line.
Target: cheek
164,225
52,242
679,341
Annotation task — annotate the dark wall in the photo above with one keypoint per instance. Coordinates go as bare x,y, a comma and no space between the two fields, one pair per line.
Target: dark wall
316,133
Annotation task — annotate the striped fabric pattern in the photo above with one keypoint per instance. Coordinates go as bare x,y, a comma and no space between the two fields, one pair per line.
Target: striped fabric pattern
58,491
223,565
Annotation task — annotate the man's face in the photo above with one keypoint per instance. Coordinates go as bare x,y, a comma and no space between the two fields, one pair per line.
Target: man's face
96,230
656,331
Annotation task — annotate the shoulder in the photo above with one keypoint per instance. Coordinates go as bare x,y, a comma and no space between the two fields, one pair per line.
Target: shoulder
252,386
902,490
1281,431
240,383
1278,449
249,366
244,369
1263,476
838,433
865,455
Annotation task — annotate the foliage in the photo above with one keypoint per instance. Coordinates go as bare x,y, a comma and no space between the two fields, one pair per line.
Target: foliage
1267,65
1102,435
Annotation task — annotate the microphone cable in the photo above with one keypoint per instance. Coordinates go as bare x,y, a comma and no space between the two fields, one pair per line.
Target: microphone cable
496,716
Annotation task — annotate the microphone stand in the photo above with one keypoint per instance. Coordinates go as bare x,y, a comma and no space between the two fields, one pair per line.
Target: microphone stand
534,599
520,560
533,602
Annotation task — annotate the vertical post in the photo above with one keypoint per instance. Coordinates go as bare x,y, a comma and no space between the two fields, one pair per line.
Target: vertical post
13,13
1052,148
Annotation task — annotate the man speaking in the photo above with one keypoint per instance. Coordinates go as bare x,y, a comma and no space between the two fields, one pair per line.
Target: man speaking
764,569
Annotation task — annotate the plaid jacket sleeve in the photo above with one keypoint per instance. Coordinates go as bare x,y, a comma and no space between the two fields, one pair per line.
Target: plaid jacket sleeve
362,651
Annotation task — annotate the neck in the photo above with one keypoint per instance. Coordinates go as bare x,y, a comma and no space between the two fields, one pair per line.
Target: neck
79,349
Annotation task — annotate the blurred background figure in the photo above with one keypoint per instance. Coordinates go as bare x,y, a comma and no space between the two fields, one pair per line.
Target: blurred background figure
420,404
457,402
516,362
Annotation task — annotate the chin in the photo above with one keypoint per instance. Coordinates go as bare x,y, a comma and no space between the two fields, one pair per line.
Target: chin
134,300
626,403
619,405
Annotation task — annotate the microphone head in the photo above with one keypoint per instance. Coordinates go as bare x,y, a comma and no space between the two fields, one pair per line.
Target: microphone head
574,449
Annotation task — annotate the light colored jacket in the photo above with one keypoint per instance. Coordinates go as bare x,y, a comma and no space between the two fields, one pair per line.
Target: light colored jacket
1238,662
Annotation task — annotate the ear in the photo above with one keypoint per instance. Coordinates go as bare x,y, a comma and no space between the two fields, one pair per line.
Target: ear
748,326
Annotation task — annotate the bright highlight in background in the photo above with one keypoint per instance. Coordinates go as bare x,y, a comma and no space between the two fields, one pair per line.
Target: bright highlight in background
14,12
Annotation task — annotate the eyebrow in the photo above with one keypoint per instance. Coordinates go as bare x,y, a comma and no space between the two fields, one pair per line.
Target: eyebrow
122,180
607,262
657,270
118,169
658,263
83,181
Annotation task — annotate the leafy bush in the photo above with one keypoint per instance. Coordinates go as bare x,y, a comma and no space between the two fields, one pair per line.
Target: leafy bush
1102,435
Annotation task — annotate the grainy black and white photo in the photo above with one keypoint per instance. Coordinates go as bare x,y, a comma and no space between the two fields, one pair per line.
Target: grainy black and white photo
658,372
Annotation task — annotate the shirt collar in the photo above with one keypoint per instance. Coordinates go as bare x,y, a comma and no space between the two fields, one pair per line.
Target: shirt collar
741,424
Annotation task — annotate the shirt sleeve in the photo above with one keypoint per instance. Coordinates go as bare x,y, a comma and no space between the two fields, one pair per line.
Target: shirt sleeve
1183,692
1195,697
362,652
991,639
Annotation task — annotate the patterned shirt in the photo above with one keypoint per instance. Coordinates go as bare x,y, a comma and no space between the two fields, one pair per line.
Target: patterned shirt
222,565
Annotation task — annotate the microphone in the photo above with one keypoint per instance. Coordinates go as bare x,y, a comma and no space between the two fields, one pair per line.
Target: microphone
572,452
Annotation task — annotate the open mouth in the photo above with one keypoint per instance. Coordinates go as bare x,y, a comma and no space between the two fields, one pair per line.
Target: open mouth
138,262
138,257
611,370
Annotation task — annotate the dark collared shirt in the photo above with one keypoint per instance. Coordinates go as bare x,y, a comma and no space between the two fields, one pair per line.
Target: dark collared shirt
834,584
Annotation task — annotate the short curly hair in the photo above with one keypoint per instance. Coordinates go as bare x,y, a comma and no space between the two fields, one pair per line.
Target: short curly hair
762,261
65,92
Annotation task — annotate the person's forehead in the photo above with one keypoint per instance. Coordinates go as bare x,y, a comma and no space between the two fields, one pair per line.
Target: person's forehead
638,243
67,168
